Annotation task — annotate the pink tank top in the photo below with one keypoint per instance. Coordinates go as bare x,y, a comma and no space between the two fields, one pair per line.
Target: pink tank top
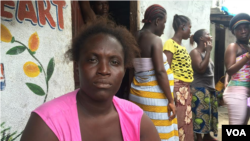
61,116
244,73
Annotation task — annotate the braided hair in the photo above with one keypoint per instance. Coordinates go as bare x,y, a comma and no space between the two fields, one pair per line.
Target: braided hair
152,12
179,20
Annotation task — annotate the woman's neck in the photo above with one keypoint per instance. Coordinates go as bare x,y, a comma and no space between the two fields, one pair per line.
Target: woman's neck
177,38
91,107
246,42
201,47
148,28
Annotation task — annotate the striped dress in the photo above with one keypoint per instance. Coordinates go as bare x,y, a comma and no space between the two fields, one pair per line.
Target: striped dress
146,93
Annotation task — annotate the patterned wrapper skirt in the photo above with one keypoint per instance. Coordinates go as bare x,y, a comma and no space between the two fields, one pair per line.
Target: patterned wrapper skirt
183,99
205,110
146,93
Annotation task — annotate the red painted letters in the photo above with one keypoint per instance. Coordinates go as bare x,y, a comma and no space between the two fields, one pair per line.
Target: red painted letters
26,11
60,5
44,13
6,14
35,12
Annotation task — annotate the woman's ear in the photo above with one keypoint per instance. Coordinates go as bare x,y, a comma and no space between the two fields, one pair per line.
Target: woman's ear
201,38
183,27
157,21
76,68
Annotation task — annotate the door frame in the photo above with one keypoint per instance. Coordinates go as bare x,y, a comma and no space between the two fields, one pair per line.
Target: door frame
134,16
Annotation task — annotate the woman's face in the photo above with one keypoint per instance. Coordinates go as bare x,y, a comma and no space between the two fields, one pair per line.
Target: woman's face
161,26
101,7
186,31
242,32
207,36
101,67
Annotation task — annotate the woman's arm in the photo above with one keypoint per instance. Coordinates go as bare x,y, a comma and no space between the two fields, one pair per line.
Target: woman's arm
148,131
230,60
227,79
161,74
87,12
198,64
37,130
169,57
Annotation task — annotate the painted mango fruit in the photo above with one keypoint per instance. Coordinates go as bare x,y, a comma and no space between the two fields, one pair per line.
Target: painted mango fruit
31,69
5,34
33,42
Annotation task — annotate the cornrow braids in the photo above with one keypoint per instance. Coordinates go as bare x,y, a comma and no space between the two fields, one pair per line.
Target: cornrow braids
179,20
154,11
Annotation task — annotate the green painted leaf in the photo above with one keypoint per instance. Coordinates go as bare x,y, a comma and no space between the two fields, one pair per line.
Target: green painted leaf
40,68
2,124
36,89
198,121
16,50
31,52
50,69
12,40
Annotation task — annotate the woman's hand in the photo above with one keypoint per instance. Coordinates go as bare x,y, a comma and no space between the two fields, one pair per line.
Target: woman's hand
208,46
171,108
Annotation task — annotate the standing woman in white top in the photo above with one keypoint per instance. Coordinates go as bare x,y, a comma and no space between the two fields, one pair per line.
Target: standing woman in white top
153,82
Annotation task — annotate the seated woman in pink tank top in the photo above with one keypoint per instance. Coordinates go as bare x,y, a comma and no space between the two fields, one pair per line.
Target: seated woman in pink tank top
102,52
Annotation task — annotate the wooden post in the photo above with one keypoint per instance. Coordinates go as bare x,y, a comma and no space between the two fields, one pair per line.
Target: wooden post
134,16
77,22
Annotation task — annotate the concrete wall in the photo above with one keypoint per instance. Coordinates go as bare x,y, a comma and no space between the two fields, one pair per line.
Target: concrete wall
34,37
229,38
197,11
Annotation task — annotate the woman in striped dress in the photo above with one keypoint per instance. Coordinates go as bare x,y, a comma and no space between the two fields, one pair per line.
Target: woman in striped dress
153,82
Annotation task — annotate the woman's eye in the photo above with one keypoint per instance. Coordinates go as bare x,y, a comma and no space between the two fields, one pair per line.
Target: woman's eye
114,62
92,60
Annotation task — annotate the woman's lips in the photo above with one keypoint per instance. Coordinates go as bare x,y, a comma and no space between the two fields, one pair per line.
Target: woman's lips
102,84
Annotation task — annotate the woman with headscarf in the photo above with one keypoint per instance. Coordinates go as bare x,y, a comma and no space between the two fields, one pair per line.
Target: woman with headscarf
237,62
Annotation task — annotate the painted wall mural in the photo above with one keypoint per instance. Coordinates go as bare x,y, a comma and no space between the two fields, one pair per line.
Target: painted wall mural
30,68
37,13
34,37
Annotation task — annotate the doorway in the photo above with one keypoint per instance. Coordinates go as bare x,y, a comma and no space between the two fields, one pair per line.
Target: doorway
219,52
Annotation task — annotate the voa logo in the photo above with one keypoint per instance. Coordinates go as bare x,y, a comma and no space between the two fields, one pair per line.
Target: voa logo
236,132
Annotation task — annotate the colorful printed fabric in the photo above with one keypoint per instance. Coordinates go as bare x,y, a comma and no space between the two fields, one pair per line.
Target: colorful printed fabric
183,99
205,110
239,83
146,93
244,73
